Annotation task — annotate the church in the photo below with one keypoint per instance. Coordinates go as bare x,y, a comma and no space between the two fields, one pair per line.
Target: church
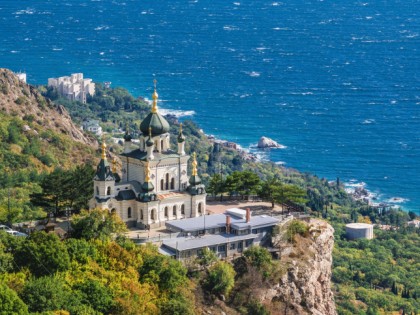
154,186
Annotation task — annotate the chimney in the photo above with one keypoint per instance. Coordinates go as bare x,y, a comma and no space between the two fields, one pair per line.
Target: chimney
227,224
248,215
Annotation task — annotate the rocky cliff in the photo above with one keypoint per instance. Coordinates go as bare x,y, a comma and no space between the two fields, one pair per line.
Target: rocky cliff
305,286
23,100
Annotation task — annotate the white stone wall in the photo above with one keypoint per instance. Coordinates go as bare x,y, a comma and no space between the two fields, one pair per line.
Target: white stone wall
102,187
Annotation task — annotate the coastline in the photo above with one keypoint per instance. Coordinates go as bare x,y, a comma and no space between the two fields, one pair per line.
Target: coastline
356,189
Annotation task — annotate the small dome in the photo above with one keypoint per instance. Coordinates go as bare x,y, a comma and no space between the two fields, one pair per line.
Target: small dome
156,122
149,142
181,138
147,187
195,180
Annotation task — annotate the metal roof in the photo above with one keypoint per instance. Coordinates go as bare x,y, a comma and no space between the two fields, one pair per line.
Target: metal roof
219,220
126,195
186,243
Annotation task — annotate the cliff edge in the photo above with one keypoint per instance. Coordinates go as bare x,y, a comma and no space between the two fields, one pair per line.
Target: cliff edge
305,286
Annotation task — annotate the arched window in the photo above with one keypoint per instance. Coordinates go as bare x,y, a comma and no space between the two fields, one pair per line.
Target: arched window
161,184
166,212
161,145
156,147
113,211
174,210
97,190
129,212
182,209
167,181
200,210
108,190
153,214
141,214
173,183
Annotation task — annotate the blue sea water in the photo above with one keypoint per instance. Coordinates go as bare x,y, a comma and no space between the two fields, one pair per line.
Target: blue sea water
337,82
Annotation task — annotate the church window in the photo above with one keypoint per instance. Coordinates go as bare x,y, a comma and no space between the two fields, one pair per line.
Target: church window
108,190
182,209
141,214
167,181
129,212
200,210
153,214
173,183
113,211
174,210
161,145
97,190
161,184
166,212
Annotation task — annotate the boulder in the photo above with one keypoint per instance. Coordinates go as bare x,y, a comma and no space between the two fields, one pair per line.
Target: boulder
265,142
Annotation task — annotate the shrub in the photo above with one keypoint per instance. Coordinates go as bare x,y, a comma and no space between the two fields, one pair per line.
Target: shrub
296,227
220,279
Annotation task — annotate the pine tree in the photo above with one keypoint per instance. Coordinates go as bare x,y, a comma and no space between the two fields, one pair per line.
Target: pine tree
394,288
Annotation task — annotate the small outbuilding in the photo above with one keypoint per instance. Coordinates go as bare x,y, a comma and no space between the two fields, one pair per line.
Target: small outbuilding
359,230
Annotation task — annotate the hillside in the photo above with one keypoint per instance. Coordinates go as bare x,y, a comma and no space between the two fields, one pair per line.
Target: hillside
35,133
36,137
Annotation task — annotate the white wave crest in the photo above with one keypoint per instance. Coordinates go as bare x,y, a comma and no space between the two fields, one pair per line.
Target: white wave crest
397,200
177,113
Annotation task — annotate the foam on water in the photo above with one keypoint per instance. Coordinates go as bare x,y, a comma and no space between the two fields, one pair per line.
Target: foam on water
334,81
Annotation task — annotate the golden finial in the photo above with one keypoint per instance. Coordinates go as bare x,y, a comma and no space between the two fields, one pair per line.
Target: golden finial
194,164
155,98
114,165
147,172
103,146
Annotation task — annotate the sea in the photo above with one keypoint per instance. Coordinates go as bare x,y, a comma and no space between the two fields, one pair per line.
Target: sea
335,81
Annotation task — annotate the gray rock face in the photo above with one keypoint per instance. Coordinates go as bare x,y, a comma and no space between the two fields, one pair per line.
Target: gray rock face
265,142
305,288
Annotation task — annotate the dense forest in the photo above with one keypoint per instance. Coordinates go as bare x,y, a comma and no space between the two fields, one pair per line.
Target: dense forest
43,175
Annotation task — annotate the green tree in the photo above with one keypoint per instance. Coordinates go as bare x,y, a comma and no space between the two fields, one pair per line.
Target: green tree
296,227
216,185
412,215
96,224
6,259
78,188
96,295
206,257
220,278
167,273
256,308
46,294
43,254
10,303
243,182
277,192
53,191
258,257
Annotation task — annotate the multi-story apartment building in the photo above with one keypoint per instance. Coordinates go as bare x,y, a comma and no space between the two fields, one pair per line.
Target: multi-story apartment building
74,87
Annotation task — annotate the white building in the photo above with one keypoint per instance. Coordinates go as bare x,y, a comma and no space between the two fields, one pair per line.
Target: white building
74,87
154,186
359,230
225,234
92,126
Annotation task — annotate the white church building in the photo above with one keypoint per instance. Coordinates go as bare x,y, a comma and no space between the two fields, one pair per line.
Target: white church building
154,186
